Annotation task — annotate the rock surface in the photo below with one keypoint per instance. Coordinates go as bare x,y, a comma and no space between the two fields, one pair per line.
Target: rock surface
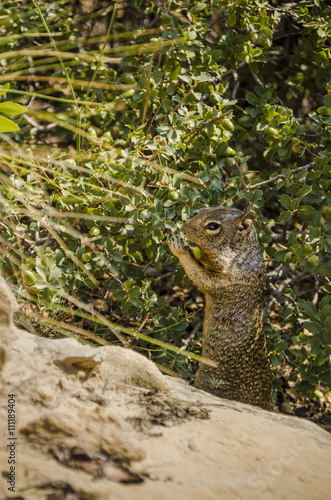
103,423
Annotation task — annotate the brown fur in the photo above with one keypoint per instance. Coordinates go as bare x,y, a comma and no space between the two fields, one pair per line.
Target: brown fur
231,274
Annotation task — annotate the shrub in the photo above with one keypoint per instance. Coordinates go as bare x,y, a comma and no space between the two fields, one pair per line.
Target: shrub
209,102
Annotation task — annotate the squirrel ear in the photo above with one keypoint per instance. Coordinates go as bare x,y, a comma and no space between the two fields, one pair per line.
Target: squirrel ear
246,222
241,204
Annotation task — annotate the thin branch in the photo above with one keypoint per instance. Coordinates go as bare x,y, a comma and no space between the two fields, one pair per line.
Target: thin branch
274,292
102,50
214,120
257,79
236,85
187,342
159,6
280,176
149,82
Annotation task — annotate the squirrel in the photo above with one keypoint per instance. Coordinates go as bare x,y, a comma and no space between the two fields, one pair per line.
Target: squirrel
230,271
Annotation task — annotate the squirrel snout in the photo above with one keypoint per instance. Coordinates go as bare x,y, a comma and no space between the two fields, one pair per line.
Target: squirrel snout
186,230
183,228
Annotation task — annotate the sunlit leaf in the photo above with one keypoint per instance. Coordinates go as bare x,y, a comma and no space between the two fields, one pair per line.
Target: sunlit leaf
7,125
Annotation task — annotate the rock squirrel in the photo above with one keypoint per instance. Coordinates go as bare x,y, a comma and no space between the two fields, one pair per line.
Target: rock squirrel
231,274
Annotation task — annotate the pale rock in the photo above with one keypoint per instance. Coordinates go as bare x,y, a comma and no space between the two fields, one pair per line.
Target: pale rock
180,441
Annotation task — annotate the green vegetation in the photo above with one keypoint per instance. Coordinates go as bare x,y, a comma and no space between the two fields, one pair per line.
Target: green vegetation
135,117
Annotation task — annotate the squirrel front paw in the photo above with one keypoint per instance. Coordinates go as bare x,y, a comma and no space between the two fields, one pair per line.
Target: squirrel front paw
177,246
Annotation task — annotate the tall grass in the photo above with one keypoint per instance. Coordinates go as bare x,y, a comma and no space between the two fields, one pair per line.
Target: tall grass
55,163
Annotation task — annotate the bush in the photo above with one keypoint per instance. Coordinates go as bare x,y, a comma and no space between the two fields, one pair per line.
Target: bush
206,103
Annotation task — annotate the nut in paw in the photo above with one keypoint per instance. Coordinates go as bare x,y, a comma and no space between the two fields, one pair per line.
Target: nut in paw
177,245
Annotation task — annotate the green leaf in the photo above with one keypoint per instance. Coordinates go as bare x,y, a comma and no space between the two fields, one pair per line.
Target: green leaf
327,101
268,31
198,7
304,191
175,72
292,239
4,88
309,307
135,292
119,294
286,201
275,359
186,79
90,284
11,108
138,256
282,346
7,125
232,18
326,311
288,292
251,98
256,195
313,326
280,255
284,216
320,358
202,77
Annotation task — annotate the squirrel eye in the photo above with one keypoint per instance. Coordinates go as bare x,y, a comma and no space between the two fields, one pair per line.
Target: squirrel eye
212,226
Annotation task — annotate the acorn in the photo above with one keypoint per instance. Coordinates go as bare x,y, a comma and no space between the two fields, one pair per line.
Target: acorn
94,231
29,277
197,253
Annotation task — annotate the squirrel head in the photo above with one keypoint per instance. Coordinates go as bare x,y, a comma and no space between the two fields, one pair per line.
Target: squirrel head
226,237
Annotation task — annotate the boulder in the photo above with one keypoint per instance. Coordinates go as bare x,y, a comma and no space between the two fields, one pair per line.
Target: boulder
103,423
